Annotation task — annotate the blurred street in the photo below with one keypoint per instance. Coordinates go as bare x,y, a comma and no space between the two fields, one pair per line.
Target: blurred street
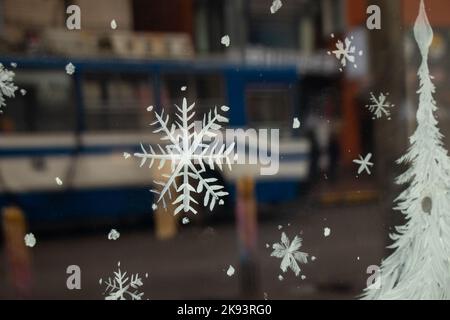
190,266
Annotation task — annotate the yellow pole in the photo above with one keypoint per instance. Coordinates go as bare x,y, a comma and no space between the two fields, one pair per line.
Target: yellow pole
18,256
165,221
247,228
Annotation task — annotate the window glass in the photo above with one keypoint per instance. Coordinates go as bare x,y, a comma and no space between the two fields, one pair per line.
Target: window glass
47,103
115,101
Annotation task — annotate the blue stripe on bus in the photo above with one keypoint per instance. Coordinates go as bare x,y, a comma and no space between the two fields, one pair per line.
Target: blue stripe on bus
119,203
82,203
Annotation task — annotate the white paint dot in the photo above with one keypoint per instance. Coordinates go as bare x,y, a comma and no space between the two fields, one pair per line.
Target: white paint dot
70,68
225,40
30,240
113,24
326,232
230,271
113,235
276,5
58,181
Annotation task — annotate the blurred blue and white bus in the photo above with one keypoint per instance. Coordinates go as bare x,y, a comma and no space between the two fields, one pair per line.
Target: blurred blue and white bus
77,127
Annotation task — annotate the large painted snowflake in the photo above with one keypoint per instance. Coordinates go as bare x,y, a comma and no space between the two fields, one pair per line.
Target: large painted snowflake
121,286
7,87
380,106
345,52
187,148
289,253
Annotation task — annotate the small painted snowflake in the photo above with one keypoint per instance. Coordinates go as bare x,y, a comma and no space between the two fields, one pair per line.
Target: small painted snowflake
364,164
276,5
113,24
121,286
7,87
380,106
30,240
113,235
58,181
70,68
230,271
225,40
289,253
185,220
345,52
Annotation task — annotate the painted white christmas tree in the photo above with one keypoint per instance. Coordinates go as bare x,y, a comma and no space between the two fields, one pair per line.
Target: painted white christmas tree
419,268
7,87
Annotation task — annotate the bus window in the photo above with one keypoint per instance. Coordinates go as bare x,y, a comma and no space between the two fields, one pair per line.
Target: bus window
117,102
206,90
48,104
270,107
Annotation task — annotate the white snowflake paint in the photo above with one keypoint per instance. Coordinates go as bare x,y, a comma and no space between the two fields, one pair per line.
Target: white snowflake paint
230,271
30,240
380,106
276,5
23,92
154,207
150,108
113,235
58,181
113,24
7,87
13,65
289,254
225,40
296,124
70,68
326,232
345,52
185,220
186,147
126,155
313,258
121,286
280,277
364,163
183,88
